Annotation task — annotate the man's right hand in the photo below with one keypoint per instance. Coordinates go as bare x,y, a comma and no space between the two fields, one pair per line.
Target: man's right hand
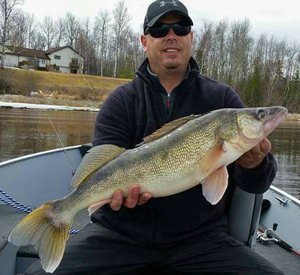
134,198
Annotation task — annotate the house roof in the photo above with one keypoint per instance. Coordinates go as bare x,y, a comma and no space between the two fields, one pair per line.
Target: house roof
50,51
28,52
37,53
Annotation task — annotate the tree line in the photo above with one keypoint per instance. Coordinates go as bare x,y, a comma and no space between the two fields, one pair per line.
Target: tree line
263,70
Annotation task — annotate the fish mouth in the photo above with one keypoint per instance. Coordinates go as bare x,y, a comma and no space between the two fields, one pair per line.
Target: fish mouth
274,121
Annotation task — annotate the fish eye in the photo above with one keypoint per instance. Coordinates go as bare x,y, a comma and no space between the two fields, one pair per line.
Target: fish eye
261,113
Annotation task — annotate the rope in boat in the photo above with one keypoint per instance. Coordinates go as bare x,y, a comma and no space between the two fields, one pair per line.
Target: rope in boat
14,203
10,201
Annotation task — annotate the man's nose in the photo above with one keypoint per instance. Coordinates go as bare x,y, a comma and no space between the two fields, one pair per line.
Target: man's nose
171,35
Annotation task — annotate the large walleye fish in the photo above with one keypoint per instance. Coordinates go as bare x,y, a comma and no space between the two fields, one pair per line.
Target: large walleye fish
180,155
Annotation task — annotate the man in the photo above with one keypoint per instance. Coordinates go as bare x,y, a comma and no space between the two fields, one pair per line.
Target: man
180,234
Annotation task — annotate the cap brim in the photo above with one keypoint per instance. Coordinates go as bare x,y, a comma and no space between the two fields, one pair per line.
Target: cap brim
156,18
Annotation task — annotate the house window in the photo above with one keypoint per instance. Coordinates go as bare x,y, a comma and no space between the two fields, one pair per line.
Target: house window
74,63
57,57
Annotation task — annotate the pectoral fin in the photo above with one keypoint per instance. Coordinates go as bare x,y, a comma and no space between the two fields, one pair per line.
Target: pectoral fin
214,186
210,161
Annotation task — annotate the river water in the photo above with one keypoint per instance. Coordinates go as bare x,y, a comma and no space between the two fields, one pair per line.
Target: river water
24,132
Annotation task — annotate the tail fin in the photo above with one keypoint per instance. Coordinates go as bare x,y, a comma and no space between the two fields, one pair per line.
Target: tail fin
46,231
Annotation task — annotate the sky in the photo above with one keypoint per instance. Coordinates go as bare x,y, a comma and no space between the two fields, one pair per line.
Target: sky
270,17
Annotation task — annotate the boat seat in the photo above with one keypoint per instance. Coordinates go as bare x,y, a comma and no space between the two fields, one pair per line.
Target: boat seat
244,213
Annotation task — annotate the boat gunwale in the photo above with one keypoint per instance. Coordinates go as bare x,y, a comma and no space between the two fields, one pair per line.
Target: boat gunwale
287,195
14,160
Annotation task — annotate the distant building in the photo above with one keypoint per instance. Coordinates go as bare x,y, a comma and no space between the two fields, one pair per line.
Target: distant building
61,59
66,59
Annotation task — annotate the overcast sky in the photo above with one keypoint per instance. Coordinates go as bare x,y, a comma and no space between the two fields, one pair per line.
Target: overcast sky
271,17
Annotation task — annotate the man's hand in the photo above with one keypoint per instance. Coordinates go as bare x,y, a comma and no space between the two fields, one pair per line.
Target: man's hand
134,198
255,156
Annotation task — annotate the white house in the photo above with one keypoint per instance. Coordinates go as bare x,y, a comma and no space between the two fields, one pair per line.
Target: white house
62,59
66,59
19,57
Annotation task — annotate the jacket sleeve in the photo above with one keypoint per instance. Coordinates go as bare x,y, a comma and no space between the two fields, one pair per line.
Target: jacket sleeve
111,125
256,180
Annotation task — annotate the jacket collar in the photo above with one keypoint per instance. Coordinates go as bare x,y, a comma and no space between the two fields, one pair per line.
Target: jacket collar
143,73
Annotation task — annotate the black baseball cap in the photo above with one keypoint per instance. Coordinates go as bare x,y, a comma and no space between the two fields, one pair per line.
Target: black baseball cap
161,7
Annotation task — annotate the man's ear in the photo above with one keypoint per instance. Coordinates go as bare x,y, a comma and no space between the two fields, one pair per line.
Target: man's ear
144,42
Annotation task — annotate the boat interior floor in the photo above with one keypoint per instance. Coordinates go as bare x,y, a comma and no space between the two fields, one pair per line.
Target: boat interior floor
288,262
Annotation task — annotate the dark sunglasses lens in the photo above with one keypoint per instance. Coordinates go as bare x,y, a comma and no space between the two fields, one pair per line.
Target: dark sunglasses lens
180,30
163,30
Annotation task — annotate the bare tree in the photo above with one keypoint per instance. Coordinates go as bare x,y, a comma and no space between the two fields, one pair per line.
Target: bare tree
48,30
87,46
60,31
221,56
18,35
137,50
8,10
38,41
204,47
240,44
101,29
120,30
72,29
31,27
84,44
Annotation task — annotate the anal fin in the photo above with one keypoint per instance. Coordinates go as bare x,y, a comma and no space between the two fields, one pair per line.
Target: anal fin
215,185
94,207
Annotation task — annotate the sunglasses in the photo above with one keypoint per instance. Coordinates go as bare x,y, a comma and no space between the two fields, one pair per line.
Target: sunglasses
163,30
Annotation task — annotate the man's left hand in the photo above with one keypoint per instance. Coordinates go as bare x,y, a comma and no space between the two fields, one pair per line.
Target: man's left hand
256,155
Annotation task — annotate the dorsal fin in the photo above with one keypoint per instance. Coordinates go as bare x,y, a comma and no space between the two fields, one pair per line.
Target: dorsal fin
168,128
96,158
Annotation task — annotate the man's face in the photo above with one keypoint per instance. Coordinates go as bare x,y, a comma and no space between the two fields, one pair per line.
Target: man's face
168,53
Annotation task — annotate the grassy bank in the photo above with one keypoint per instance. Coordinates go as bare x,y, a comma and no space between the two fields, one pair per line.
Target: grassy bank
55,88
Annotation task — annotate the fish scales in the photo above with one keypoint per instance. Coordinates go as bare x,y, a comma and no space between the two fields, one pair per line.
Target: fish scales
164,161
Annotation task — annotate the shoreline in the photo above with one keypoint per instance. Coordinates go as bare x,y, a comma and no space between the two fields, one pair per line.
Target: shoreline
45,107
86,108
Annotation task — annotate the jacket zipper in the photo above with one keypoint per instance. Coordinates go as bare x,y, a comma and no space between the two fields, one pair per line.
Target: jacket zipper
154,223
168,104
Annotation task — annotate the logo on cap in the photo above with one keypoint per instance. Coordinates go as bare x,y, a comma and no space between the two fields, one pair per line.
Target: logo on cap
163,3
